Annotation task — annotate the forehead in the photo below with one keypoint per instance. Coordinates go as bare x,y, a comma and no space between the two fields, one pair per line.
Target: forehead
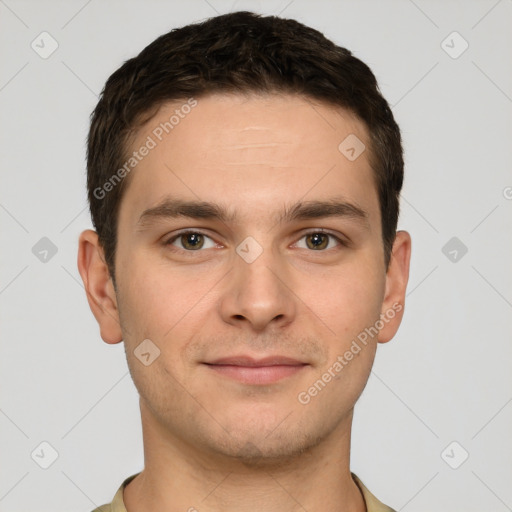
255,150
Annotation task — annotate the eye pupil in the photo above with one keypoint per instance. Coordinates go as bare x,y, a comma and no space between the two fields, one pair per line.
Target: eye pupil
192,240
318,241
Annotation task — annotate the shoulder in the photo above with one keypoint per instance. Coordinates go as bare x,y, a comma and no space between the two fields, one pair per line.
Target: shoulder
117,504
372,503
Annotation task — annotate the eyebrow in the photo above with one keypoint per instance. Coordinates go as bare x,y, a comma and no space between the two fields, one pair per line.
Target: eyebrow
171,208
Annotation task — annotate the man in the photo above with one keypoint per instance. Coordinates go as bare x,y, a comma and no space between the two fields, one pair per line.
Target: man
243,178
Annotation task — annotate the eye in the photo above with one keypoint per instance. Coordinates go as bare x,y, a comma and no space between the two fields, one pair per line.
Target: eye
191,241
319,241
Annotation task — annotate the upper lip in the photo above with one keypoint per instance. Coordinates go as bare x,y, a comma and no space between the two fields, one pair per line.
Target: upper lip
251,361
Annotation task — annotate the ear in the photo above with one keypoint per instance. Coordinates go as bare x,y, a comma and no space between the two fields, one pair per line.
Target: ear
397,276
98,286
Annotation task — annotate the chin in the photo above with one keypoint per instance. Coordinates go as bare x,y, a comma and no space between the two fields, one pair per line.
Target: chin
259,449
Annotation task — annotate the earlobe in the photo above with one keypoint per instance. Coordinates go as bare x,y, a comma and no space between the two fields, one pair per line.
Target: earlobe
98,286
397,277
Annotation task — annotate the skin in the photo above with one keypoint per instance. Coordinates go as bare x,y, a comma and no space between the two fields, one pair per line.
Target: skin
211,442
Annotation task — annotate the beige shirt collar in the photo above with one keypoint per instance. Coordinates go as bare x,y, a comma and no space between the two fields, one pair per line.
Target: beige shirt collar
372,503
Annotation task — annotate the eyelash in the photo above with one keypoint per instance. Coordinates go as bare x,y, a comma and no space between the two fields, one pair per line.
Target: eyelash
169,242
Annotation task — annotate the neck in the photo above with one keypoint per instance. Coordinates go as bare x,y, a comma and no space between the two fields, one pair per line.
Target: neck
180,477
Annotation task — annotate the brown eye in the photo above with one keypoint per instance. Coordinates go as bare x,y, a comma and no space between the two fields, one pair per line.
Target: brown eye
317,241
192,240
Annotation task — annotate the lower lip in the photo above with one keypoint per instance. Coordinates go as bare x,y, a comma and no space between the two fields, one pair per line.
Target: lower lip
257,375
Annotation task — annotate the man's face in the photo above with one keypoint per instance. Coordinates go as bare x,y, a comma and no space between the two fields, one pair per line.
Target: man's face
251,310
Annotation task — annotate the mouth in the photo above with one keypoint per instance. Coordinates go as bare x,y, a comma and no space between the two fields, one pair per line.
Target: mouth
248,370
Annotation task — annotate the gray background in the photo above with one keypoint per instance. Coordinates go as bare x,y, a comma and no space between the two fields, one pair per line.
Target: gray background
444,378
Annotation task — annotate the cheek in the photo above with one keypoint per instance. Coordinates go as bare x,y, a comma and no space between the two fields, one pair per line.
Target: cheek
348,300
350,307
157,298
158,306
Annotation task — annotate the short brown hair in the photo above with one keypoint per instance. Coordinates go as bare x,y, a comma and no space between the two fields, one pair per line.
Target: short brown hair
237,52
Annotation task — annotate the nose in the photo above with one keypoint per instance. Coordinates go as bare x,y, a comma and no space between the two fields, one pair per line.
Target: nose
258,295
